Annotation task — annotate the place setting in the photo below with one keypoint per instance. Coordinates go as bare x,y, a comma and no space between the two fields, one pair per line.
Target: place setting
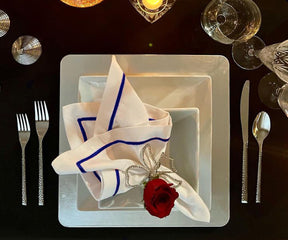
144,139
190,143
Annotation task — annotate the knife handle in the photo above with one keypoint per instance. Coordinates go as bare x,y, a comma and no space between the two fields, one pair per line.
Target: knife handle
244,194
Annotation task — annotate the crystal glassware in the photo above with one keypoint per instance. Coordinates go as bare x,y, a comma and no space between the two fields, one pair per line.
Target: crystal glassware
4,23
228,21
233,22
283,99
268,90
273,92
152,10
252,53
273,88
26,50
244,53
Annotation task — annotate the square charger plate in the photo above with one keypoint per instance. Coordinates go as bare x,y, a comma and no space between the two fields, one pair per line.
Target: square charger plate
191,81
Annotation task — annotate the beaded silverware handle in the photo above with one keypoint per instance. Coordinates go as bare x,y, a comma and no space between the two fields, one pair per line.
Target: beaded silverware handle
244,193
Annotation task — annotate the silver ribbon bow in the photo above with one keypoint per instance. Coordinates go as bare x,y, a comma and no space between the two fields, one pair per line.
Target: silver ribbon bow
149,168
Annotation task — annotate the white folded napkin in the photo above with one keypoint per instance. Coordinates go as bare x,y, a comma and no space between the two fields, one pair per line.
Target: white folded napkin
106,138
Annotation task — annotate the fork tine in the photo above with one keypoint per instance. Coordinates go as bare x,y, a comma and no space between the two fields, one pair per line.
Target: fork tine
27,122
24,123
21,122
39,111
36,111
18,123
46,111
42,111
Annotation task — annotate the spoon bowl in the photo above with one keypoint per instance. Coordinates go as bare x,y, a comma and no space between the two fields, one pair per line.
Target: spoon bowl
261,127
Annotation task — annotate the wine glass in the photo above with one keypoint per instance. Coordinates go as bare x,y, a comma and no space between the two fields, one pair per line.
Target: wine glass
245,53
232,22
273,92
273,88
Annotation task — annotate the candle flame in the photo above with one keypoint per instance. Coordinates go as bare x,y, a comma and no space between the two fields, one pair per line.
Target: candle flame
152,4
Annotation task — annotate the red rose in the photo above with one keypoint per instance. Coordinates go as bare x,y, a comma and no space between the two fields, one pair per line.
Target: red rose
159,197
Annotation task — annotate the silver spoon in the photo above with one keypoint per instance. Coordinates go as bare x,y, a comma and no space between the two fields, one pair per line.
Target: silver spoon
261,128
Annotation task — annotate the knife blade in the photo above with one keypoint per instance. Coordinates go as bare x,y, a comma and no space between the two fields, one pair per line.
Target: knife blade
244,115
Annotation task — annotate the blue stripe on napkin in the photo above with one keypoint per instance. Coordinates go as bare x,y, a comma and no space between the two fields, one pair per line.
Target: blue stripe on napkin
80,120
118,182
84,135
113,143
117,103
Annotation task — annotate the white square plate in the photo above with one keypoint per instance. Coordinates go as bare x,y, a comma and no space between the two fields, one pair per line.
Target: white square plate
187,81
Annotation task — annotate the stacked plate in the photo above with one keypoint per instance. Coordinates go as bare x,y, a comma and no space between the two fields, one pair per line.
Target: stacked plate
195,90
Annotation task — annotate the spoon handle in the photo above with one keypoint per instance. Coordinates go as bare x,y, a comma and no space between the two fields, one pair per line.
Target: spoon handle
244,193
258,187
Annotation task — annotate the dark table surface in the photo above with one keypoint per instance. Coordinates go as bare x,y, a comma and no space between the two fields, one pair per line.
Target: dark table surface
115,27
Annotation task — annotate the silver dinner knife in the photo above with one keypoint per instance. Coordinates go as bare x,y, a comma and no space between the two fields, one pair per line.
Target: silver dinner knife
244,115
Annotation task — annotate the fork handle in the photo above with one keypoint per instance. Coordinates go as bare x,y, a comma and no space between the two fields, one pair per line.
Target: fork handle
24,191
40,184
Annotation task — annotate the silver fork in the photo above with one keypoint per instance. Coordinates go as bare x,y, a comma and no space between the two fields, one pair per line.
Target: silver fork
23,128
42,125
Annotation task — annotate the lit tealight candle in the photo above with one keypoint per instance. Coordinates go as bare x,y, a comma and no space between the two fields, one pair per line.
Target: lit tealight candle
152,4
81,3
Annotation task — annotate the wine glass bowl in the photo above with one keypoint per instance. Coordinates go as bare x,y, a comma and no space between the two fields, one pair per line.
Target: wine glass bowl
273,88
283,99
280,61
228,21
269,89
